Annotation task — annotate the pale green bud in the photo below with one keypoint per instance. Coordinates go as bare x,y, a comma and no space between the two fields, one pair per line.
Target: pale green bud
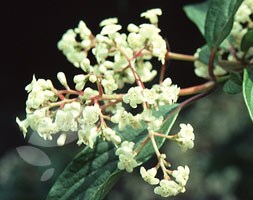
110,29
132,28
62,78
61,139
92,78
108,21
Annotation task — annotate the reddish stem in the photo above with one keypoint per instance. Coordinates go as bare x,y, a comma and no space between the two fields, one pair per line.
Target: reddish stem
197,89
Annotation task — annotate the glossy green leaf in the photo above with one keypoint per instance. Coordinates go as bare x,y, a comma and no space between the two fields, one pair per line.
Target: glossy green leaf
233,84
219,20
93,172
197,14
248,89
247,41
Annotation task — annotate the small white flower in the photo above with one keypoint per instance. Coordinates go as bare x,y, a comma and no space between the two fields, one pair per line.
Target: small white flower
126,156
120,39
126,147
181,175
87,135
135,121
149,175
168,93
132,28
148,31
145,71
108,21
100,51
110,135
167,188
185,137
67,42
91,114
88,93
249,3
23,125
65,120
74,108
127,162
243,13
85,65
35,118
30,86
110,29
156,123
135,40
76,57
133,96
121,118
80,81
150,96
152,15
109,84
158,47
40,93
46,128
83,30
92,78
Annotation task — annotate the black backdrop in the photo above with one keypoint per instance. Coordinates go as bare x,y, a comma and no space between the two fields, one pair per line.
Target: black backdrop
30,31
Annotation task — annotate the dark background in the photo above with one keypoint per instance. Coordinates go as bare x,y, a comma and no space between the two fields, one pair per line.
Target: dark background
31,29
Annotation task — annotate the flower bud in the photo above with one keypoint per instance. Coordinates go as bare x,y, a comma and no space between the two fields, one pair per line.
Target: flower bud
61,139
62,78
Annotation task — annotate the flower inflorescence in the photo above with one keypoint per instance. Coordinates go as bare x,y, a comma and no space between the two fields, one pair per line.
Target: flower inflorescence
122,61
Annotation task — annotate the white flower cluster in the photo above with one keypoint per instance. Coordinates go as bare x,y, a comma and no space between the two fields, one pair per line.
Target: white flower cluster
73,116
72,48
113,50
40,92
163,94
242,23
117,54
88,111
201,69
126,156
167,187
185,137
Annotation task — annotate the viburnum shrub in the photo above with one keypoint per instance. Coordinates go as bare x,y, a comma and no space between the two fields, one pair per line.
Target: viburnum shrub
118,119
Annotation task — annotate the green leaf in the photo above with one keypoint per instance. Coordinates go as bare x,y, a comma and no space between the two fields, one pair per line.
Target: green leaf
248,89
234,84
93,172
219,20
247,41
204,54
197,14
90,174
